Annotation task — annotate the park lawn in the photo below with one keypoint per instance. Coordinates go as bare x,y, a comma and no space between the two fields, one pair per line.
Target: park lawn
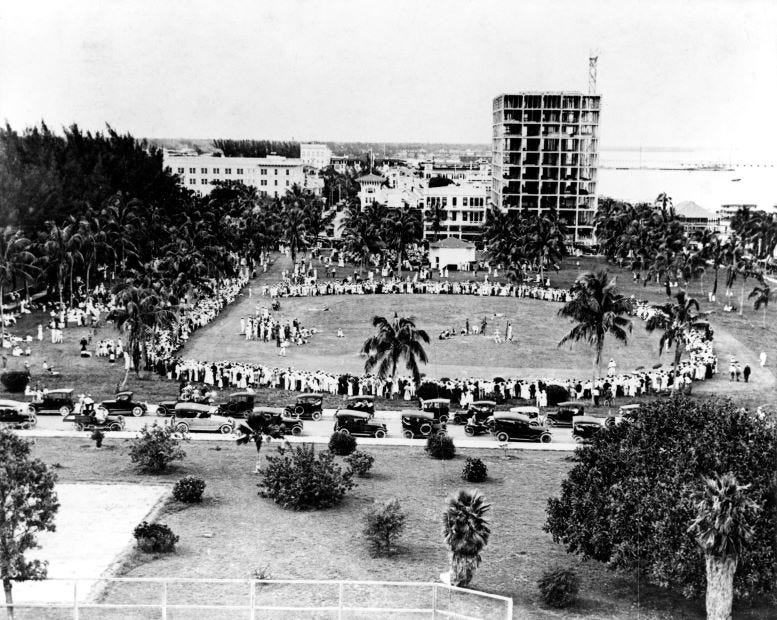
235,533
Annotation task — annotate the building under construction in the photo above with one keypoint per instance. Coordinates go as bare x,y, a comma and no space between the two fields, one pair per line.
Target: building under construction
545,156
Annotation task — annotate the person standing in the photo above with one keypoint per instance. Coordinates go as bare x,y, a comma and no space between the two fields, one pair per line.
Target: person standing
762,357
746,373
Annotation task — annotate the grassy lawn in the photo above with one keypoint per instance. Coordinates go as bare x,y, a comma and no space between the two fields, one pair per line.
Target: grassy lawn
234,532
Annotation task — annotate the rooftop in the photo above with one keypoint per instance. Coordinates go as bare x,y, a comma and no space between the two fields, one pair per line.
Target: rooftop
370,178
452,243
691,210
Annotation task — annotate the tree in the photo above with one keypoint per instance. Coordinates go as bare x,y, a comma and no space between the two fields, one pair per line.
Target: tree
676,320
15,264
598,308
361,236
466,532
436,214
439,181
29,505
631,496
61,252
394,341
544,240
402,228
762,295
156,447
722,528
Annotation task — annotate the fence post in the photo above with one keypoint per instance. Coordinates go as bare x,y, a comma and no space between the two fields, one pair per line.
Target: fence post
434,601
340,602
252,599
164,599
75,599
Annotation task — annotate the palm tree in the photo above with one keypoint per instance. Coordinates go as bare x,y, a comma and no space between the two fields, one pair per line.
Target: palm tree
361,236
762,295
294,230
61,252
436,215
598,309
544,240
676,320
722,529
394,341
466,532
15,264
402,227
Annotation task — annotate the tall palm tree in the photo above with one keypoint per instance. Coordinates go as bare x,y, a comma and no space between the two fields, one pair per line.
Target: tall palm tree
394,341
676,320
436,215
94,245
61,253
402,227
762,295
16,263
294,229
722,529
598,309
361,236
544,240
466,532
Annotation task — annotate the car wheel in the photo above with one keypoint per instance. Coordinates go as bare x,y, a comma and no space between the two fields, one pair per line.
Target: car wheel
425,429
26,426
299,410
578,439
502,437
115,426
137,411
407,434
469,431
225,429
546,438
31,409
345,431
442,432
63,411
443,418
609,422
80,427
296,431
316,415
380,434
182,427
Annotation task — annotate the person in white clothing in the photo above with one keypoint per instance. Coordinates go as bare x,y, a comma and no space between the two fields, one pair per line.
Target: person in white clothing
762,358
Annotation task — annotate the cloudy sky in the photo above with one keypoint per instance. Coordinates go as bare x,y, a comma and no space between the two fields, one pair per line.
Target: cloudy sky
681,74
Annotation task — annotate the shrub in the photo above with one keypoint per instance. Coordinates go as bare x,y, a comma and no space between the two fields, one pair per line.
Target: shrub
429,390
440,446
156,447
15,381
97,437
474,470
360,463
559,587
189,490
383,524
342,444
556,394
298,479
155,537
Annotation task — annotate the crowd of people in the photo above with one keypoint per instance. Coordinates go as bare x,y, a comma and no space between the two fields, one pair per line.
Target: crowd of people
265,327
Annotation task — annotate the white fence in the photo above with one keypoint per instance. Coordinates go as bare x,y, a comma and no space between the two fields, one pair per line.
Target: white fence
255,599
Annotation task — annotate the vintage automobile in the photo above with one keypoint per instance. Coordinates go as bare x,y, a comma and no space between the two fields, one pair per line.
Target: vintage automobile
481,409
358,423
99,419
421,424
238,405
307,406
167,407
364,403
15,415
626,413
584,427
481,421
54,401
273,416
123,403
564,413
438,407
527,410
195,417
509,425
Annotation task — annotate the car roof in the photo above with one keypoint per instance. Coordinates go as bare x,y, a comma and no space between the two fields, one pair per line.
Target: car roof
418,414
4,402
59,391
572,403
436,400
365,397
524,409
351,413
512,415
124,392
273,410
194,406
489,403
588,419
311,395
631,406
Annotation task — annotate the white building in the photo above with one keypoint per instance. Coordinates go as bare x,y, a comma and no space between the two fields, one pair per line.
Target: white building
452,253
478,171
315,155
371,189
465,207
272,176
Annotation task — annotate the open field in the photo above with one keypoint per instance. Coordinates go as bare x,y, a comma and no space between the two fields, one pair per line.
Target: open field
234,532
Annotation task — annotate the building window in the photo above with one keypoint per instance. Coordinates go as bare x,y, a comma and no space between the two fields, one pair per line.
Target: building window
264,182
287,183
287,172
204,181
192,170
215,171
453,201
204,170
464,201
276,183
192,181
264,170
240,171
180,170
276,171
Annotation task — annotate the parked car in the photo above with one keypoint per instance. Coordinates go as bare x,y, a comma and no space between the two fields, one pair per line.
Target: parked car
54,401
509,425
307,406
481,409
238,405
438,407
364,403
191,417
527,410
14,415
584,427
99,419
167,407
564,413
123,403
421,424
288,425
626,413
358,423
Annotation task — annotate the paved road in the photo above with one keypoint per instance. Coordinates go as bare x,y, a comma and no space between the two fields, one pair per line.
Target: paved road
50,425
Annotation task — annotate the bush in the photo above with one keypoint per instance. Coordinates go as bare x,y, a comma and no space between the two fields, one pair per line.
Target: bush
559,587
189,490
342,444
383,524
474,470
298,479
155,537
360,463
15,381
156,447
97,437
440,446
428,390
556,394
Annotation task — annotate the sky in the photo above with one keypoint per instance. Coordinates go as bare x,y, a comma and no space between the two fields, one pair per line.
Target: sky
687,74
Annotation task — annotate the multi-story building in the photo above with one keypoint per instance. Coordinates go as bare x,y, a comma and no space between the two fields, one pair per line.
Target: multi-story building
272,176
315,155
545,156
465,207
478,171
